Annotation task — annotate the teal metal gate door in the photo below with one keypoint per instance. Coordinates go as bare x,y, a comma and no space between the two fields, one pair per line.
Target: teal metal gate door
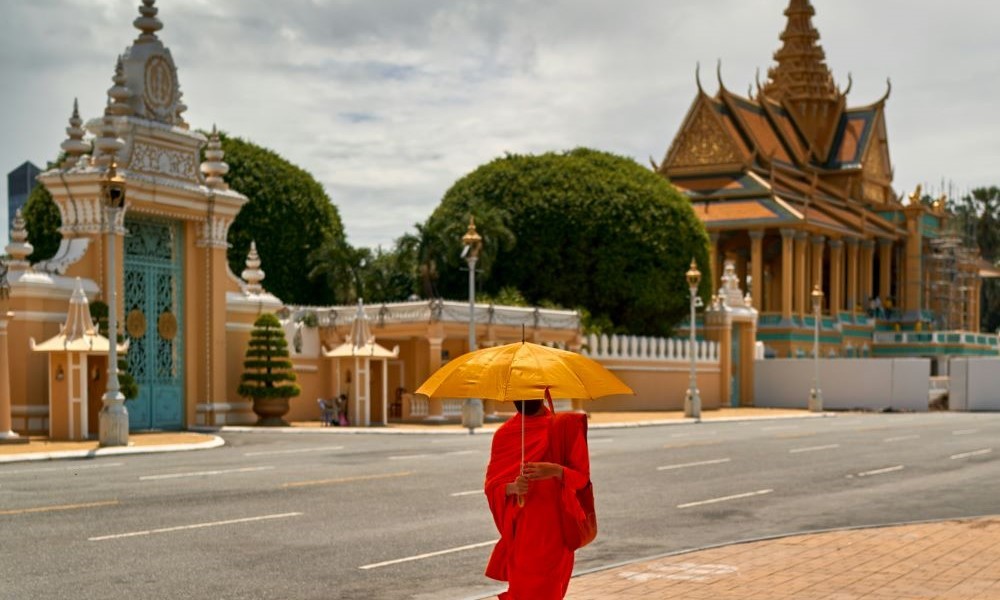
153,323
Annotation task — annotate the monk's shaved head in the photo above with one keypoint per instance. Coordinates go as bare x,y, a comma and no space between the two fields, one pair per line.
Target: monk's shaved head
528,407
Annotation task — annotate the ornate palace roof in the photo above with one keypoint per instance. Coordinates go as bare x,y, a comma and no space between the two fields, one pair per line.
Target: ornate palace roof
792,153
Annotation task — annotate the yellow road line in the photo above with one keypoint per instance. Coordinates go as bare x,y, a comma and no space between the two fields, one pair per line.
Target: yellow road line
38,509
345,479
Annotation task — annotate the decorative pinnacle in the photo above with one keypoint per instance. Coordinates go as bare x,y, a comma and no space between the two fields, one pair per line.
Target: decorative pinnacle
78,321
107,144
253,275
147,22
119,93
19,247
74,146
213,168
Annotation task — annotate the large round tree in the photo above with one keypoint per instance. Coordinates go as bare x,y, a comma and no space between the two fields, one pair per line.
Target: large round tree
582,228
289,215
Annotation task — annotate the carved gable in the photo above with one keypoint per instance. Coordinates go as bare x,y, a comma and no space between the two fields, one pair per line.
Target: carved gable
703,140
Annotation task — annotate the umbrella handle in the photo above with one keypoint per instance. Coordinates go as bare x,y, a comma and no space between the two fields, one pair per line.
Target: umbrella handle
520,497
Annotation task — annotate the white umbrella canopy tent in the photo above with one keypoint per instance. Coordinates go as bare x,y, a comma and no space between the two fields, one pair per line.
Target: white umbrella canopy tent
361,348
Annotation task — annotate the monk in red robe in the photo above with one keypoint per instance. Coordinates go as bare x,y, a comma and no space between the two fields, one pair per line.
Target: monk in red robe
531,556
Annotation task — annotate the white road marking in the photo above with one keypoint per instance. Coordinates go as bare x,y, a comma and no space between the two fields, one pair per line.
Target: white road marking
724,498
964,431
427,555
194,526
973,453
814,448
779,427
880,471
203,473
468,493
295,451
900,438
293,484
75,468
693,464
442,455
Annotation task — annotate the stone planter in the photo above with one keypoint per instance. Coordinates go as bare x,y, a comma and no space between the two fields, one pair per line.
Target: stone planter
270,411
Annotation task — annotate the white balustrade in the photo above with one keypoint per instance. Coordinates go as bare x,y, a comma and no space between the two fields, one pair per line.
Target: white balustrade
419,406
624,347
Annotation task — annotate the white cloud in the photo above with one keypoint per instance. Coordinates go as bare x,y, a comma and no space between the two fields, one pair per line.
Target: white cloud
388,102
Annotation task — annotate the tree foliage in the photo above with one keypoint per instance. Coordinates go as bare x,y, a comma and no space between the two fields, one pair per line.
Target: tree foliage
268,371
578,229
42,220
290,217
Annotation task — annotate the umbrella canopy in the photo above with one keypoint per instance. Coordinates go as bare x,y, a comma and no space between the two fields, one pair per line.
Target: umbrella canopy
522,371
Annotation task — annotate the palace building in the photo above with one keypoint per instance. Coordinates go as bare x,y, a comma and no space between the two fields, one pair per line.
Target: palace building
794,184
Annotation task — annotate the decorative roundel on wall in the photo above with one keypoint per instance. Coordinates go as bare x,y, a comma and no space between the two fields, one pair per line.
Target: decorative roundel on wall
160,84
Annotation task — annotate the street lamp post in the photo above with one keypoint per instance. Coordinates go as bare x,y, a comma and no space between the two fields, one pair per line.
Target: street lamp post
472,410
113,418
815,394
692,401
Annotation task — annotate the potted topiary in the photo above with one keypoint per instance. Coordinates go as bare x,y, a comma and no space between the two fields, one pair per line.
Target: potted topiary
268,379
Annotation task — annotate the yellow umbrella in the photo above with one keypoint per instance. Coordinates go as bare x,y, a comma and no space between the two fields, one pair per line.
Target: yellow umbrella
522,371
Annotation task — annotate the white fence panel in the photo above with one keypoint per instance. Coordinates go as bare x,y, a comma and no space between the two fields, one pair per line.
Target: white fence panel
849,383
975,384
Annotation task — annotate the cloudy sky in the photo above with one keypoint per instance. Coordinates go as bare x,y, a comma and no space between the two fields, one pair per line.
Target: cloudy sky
388,102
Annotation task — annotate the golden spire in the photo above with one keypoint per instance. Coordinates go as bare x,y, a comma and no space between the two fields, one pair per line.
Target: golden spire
801,72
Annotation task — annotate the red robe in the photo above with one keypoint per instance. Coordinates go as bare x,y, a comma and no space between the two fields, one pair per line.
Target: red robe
530,555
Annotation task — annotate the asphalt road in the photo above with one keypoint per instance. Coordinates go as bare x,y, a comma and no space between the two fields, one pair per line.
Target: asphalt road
328,515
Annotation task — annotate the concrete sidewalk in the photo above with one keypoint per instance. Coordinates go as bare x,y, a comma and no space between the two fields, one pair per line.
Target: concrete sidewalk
945,560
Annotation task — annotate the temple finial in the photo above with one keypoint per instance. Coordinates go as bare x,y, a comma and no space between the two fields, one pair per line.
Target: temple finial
74,146
253,275
119,93
107,144
19,247
213,168
147,22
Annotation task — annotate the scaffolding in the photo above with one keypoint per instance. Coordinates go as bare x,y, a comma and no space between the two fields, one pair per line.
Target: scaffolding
951,264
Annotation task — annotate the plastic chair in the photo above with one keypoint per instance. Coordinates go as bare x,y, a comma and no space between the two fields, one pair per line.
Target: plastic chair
326,412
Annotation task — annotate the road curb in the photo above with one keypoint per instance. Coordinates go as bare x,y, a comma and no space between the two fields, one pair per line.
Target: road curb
215,442
440,429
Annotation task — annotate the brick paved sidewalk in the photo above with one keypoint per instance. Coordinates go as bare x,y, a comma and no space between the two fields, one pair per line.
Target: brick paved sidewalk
945,560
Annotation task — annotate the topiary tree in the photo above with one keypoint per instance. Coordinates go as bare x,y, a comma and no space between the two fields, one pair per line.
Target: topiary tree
290,217
582,228
268,380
